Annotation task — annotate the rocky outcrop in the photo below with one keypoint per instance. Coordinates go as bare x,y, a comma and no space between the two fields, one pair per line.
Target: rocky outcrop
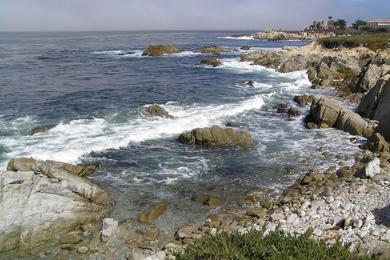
46,205
156,110
216,136
160,50
211,62
303,100
215,50
325,112
274,35
27,164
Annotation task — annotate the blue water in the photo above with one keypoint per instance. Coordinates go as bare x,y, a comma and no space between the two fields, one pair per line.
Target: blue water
91,88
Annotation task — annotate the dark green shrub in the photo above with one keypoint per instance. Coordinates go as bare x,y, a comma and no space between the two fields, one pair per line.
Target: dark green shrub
277,245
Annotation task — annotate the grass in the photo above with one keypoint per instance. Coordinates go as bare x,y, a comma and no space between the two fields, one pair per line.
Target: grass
277,245
373,41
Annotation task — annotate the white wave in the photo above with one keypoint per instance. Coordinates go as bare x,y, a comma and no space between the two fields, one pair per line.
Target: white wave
185,54
68,142
120,53
244,37
255,85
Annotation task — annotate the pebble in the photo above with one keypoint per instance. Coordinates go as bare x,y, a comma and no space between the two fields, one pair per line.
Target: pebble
82,250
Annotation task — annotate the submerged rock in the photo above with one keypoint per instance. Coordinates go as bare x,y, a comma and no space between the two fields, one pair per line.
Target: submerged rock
216,136
156,110
245,48
159,50
327,113
281,108
152,213
293,112
46,204
377,143
39,130
303,100
211,62
27,164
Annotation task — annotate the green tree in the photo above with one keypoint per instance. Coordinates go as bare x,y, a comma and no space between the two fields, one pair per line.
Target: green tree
341,24
358,23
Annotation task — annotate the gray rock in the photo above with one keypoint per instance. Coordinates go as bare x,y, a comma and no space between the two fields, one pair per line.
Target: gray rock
216,136
109,229
159,50
156,110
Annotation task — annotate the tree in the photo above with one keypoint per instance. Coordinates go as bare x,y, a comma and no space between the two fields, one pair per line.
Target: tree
358,23
340,24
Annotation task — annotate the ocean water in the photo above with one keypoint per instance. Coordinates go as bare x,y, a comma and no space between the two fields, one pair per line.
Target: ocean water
91,89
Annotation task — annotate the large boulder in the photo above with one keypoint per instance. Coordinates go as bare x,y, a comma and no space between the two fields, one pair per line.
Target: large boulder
26,164
376,105
159,50
216,136
42,206
328,113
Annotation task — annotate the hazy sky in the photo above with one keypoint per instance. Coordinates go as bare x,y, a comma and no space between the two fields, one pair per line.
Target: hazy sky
43,15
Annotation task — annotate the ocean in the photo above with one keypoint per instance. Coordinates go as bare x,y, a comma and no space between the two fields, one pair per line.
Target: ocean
90,89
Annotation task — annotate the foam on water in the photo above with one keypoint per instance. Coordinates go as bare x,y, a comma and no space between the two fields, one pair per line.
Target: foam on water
69,141
120,53
237,38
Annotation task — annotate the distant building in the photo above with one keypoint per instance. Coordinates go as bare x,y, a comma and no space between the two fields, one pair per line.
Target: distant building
379,23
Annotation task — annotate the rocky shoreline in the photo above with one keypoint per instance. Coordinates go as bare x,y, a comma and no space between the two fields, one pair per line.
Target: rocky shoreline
276,35
350,203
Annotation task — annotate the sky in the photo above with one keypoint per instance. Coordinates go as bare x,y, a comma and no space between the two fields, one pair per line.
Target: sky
103,15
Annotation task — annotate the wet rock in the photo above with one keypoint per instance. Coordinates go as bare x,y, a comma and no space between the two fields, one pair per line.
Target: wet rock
216,136
281,108
257,212
159,50
245,48
377,143
215,50
293,112
156,110
109,229
211,62
39,130
231,124
149,235
152,213
303,100
73,237
42,198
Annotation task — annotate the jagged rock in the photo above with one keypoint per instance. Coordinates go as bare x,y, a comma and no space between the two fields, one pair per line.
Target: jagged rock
372,168
216,136
27,164
303,100
156,110
159,50
245,48
45,204
376,105
215,50
211,62
39,129
377,143
328,113
152,213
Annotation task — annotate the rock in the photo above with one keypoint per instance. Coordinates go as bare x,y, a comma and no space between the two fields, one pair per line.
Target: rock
327,113
82,250
152,213
211,62
27,164
281,108
149,235
159,50
217,136
257,212
317,232
372,168
377,143
292,219
39,130
109,229
42,198
245,48
303,100
293,112
73,237
231,124
212,202
212,50
247,84
156,110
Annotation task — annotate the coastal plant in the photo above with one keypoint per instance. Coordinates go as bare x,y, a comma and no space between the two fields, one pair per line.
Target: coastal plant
256,245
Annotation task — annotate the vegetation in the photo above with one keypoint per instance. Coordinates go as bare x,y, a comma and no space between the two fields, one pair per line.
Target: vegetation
254,245
373,41
340,24
358,23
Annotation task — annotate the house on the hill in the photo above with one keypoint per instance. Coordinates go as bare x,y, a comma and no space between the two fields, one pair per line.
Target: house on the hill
379,23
